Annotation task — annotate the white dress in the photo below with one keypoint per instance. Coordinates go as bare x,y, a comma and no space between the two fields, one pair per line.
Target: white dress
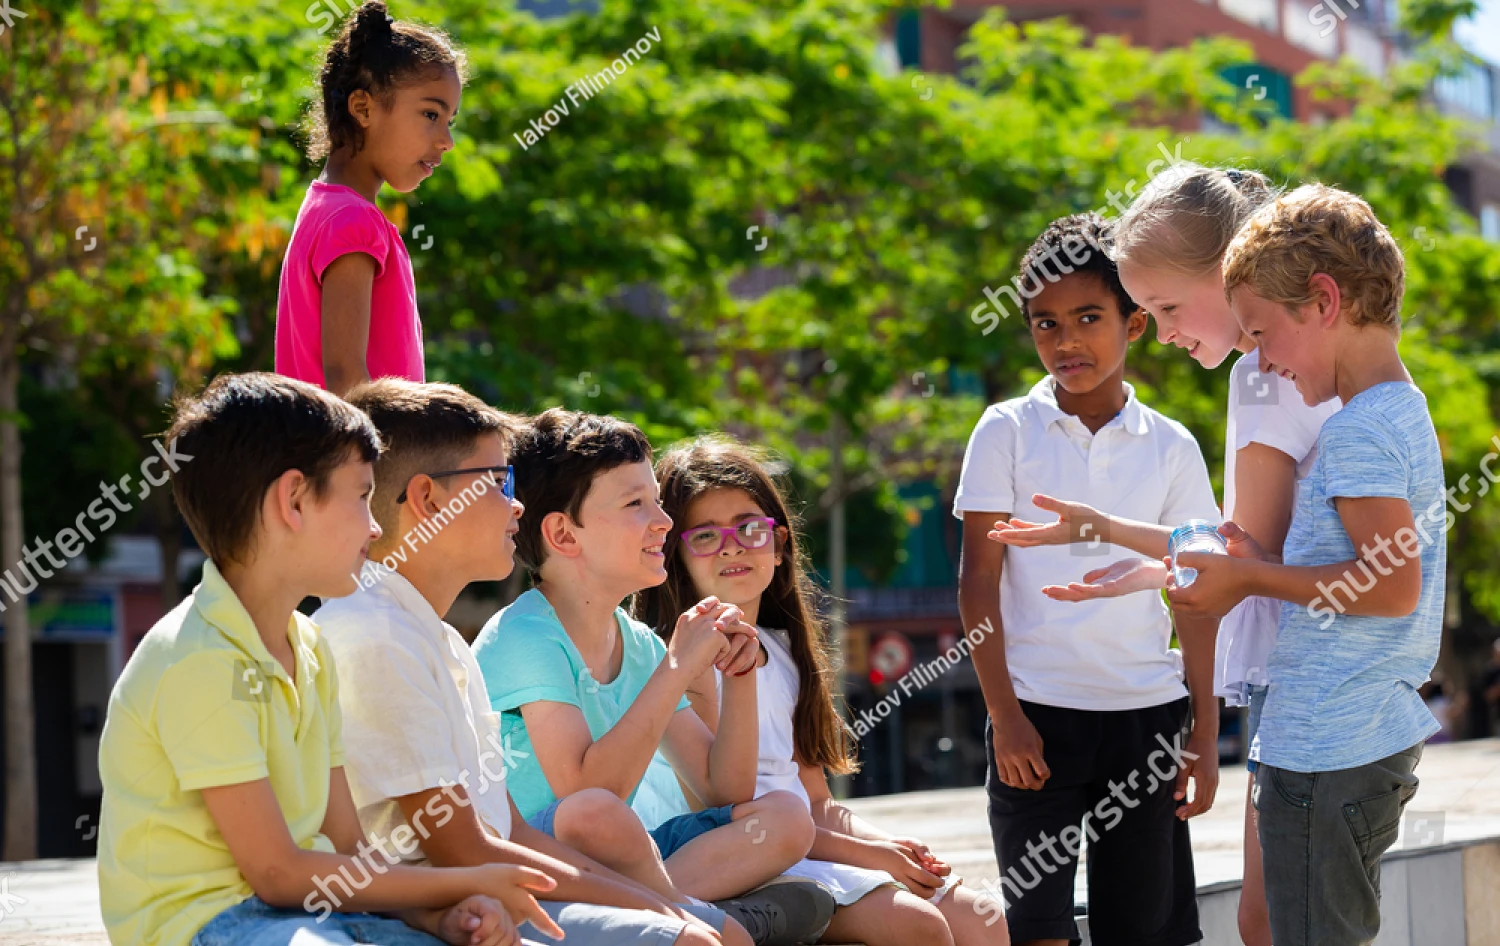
776,686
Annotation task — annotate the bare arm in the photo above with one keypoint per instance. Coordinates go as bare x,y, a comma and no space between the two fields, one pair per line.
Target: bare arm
573,760
1265,484
461,840
348,283
844,838
1079,522
718,769
1382,528
250,819
1198,636
1018,748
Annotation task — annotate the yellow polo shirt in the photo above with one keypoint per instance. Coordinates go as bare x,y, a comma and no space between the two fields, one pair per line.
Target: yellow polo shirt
202,703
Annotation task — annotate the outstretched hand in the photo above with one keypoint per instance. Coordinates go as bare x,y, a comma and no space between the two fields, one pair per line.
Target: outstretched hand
1124,577
1076,522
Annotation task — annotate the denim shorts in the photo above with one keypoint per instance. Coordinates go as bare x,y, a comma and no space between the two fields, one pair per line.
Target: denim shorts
254,922
670,836
1252,722
674,834
543,820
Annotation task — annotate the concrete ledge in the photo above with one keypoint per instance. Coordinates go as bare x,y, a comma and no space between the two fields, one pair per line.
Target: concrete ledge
1443,895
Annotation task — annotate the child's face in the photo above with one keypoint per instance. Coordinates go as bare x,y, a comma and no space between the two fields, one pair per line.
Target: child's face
1301,352
479,542
1190,312
623,529
407,141
734,574
336,530
1079,332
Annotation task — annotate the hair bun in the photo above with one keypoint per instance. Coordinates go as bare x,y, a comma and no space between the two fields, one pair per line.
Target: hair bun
373,21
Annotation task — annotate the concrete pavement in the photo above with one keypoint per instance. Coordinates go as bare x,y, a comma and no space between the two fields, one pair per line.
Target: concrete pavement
50,903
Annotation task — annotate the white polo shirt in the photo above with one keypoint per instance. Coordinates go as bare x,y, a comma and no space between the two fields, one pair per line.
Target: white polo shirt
416,711
1109,654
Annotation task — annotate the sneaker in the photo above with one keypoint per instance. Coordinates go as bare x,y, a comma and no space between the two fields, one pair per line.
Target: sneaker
785,912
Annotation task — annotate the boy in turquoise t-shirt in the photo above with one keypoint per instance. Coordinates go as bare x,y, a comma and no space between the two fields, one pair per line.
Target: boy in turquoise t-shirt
587,695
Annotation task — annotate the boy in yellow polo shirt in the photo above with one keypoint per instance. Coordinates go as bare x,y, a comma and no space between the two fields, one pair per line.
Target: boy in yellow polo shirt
226,815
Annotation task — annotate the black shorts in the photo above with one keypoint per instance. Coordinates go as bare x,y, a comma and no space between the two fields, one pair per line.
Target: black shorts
1113,773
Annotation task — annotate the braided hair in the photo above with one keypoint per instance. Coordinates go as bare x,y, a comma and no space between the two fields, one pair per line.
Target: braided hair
378,53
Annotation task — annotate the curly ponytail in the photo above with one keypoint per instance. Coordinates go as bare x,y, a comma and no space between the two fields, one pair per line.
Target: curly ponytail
377,53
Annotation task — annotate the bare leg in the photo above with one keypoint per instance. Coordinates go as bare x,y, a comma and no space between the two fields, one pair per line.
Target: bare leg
767,836
887,916
597,824
970,924
1255,916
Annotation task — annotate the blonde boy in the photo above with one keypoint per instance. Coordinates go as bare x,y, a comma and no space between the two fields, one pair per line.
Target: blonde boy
1317,281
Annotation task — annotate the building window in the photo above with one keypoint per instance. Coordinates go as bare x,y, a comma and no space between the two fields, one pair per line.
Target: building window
1470,91
1489,222
1364,47
909,39
1314,26
1254,77
1261,13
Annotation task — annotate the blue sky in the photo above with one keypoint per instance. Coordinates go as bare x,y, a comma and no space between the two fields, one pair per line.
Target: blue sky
1482,33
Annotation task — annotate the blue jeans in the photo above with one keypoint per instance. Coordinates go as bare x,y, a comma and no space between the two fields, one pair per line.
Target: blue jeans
254,922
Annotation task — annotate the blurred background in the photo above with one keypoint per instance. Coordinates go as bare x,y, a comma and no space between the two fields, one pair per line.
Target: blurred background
784,221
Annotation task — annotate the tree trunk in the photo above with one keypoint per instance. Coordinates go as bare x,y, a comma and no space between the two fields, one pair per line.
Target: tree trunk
20,724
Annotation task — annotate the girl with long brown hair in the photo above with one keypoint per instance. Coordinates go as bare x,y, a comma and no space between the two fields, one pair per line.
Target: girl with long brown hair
734,538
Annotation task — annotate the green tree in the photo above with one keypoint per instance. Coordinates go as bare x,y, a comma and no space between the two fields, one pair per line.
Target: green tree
94,262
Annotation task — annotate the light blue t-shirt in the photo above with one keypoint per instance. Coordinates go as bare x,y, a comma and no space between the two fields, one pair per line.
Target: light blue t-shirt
1344,687
527,657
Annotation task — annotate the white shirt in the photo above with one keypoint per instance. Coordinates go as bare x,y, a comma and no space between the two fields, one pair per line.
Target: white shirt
416,712
776,688
1263,408
1112,653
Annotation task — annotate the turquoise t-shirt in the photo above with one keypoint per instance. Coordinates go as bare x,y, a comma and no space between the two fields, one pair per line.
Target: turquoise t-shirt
527,657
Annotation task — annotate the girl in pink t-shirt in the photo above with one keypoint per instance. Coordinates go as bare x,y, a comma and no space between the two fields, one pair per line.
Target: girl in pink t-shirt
347,309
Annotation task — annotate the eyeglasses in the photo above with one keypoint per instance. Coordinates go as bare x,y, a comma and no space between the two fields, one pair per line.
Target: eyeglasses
502,476
749,534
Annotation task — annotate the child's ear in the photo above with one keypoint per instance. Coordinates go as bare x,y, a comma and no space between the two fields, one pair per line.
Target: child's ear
1136,322
781,541
287,499
560,535
1327,300
359,105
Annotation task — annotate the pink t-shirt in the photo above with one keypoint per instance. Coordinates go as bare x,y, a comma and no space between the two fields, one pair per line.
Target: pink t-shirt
335,220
